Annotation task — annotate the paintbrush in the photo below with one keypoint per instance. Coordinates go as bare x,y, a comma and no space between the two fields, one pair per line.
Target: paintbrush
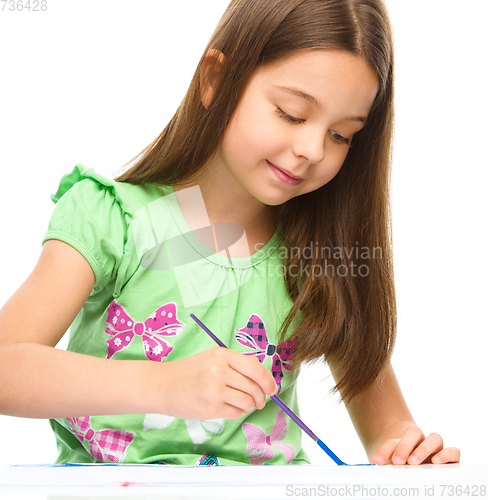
283,406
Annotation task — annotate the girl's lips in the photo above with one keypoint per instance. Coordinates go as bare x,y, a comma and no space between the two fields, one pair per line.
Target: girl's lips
284,176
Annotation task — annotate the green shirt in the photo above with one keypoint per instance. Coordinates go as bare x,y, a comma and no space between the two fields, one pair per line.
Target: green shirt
151,272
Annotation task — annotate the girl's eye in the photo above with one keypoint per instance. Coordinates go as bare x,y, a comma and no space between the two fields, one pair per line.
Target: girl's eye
339,139
289,118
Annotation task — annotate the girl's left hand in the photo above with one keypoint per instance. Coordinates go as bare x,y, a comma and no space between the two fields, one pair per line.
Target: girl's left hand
413,448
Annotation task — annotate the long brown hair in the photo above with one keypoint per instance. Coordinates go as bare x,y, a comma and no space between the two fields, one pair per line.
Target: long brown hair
347,319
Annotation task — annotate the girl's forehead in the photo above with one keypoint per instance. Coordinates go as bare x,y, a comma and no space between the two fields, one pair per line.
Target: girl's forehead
321,70
314,61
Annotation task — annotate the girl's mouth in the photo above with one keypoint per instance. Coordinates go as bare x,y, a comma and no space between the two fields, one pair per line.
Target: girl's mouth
284,176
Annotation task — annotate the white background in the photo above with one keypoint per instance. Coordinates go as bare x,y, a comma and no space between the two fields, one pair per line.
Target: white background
94,82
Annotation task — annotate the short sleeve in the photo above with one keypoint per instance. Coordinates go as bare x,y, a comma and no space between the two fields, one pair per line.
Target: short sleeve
89,216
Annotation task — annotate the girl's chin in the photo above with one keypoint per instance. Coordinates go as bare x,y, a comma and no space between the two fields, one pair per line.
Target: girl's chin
274,197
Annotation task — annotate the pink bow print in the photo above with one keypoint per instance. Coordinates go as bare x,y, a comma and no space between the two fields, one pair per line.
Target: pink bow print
108,445
254,336
123,328
260,446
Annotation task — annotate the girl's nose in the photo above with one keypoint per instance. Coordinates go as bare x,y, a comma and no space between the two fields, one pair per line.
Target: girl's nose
310,146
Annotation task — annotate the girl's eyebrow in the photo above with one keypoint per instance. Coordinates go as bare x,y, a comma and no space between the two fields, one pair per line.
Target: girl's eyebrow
294,92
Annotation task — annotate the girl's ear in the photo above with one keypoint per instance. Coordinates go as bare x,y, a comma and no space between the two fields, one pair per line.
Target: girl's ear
212,65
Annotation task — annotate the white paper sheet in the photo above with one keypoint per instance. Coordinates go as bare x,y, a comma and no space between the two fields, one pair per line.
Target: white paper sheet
266,481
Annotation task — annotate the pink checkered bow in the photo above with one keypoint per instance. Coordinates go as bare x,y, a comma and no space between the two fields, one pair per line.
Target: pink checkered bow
260,446
109,445
254,336
162,322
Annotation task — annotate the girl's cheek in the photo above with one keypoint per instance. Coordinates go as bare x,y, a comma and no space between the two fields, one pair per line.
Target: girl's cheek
327,170
270,135
336,162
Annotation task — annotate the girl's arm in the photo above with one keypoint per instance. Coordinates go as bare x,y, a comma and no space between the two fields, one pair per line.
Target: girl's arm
39,381
388,431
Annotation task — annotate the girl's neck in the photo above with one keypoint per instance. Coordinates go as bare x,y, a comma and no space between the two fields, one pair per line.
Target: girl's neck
227,202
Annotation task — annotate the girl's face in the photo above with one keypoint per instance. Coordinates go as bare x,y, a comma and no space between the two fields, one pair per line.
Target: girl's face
292,128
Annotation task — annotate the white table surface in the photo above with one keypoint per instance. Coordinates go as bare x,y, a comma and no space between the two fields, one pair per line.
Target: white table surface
257,482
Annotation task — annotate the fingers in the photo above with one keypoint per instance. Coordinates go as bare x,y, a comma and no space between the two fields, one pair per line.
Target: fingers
431,445
250,367
244,393
446,456
432,450
410,440
384,453
235,384
414,449
397,451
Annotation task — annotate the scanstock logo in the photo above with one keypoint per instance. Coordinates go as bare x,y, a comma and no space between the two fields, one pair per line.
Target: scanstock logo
173,234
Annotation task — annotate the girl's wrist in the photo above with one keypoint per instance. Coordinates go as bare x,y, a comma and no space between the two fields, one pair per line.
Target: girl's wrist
159,384
143,380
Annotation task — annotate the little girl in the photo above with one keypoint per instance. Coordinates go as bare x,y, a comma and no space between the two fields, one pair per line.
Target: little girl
263,209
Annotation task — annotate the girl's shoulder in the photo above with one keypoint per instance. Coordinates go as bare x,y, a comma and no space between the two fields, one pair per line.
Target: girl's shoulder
95,215
86,184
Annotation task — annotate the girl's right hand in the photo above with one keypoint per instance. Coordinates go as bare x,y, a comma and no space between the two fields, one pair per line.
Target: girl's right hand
218,383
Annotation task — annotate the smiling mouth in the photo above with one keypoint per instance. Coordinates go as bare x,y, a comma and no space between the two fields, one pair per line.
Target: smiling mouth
284,175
